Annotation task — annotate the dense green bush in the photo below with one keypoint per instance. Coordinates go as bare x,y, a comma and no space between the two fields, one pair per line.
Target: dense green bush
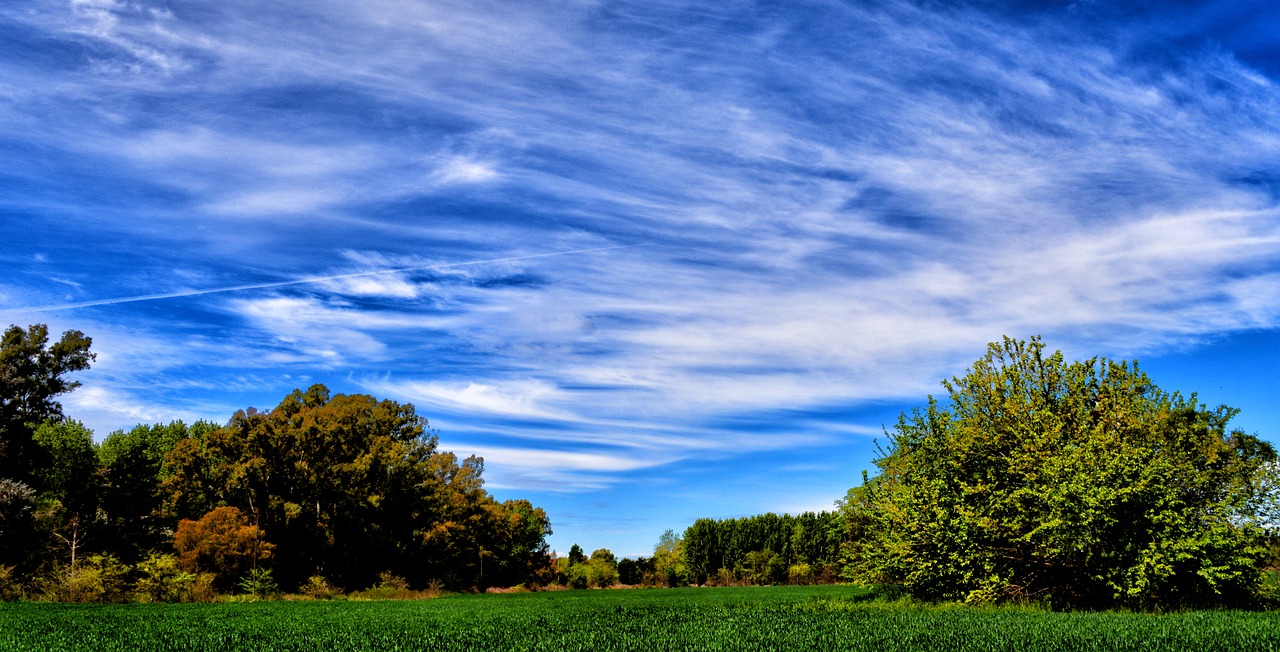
1081,483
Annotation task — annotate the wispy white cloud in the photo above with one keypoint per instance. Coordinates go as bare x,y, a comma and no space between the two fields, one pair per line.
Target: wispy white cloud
464,170
521,398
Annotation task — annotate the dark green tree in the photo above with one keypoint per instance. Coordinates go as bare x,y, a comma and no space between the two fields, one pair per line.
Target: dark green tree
32,375
517,545
635,571
716,550
1082,483
133,468
18,531
347,487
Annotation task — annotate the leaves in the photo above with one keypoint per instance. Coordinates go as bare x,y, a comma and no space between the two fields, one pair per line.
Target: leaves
348,486
1082,482
32,375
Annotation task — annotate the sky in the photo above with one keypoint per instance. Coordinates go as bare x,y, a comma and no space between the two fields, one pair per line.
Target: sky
653,261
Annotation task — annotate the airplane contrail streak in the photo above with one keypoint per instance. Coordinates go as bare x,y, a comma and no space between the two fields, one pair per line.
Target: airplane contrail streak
303,281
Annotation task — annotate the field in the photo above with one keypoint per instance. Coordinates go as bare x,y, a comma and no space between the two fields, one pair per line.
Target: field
768,618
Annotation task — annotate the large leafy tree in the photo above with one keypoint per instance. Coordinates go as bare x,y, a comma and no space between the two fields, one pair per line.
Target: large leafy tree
32,374
1078,482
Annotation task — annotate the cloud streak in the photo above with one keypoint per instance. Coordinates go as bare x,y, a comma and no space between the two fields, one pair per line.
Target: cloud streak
310,280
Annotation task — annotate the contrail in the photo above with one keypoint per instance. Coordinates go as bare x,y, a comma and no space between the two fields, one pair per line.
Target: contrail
302,281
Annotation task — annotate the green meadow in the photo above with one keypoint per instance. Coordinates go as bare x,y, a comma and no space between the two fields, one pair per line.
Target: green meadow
759,618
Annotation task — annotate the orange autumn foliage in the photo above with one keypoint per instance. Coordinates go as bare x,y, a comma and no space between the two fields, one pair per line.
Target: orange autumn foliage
222,542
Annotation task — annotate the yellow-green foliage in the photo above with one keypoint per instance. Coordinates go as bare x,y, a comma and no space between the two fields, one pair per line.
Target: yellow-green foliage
1081,483
100,578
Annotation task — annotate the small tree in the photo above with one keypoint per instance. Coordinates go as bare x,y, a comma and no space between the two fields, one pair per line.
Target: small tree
602,568
1079,482
259,584
668,561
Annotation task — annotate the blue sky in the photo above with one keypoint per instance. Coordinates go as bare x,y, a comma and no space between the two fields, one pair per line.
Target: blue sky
656,260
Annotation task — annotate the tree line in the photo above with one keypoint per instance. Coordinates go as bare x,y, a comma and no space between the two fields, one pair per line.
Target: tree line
332,490
764,549
1076,484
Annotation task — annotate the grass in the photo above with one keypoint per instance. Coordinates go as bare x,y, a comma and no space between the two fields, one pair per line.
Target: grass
768,618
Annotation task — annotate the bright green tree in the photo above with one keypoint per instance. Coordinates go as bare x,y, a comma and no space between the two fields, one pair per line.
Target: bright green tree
668,560
71,483
602,568
1078,482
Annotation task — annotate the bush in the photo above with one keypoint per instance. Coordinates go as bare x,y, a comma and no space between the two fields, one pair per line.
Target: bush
222,542
1080,482
100,578
394,587
160,580
800,574
318,588
10,588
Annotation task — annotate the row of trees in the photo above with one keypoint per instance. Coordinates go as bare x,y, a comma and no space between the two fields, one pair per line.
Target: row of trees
764,549
346,488
1081,484
726,552
1078,483
666,568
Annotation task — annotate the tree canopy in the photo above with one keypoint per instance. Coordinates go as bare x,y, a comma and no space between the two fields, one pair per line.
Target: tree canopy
343,488
763,549
348,486
32,375
1078,482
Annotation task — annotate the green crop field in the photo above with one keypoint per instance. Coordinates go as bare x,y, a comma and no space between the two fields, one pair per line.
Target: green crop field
768,618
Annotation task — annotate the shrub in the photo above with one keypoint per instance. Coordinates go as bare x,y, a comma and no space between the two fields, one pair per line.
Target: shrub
800,574
222,542
318,588
100,578
10,588
161,580
1081,482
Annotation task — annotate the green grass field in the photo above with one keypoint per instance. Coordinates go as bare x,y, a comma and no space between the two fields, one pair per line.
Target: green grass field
767,618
